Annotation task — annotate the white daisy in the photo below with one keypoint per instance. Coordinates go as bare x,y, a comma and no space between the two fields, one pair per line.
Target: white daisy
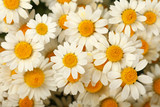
130,80
15,101
151,11
154,87
122,51
42,28
69,59
149,45
127,15
110,98
36,83
12,9
21,51
60,12
86,27
70,84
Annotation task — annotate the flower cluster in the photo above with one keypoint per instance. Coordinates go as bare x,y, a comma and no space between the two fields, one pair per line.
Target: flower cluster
105,56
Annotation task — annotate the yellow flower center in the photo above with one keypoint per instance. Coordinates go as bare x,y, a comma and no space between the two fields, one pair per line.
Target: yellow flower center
70,60
109,102
42,29
71,80
35,78
129,75
114,53
61,21
63,1
147,104
23,50
26,102
86,28
129,16
24,28
145,46
5,21
151,17
11,4
1,49
94,89
13,72
156,85
49,55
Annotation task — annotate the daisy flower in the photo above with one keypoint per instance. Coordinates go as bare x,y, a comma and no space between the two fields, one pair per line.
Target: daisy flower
21,51
92,94
60,12
149,45
121,51
154,87
86,27
70,84
130,80
151,11
42,28
69,59
36,83
12,9
14,100
127,15
110,98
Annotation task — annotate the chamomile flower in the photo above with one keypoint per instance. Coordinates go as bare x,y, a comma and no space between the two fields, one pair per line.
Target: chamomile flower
151,11
154,87
92,94
127,16
36,83
42,28
110,98
122,51
14,100
21,52
12,9
60,13
149,45
69,59
70,84
86,27
130,80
